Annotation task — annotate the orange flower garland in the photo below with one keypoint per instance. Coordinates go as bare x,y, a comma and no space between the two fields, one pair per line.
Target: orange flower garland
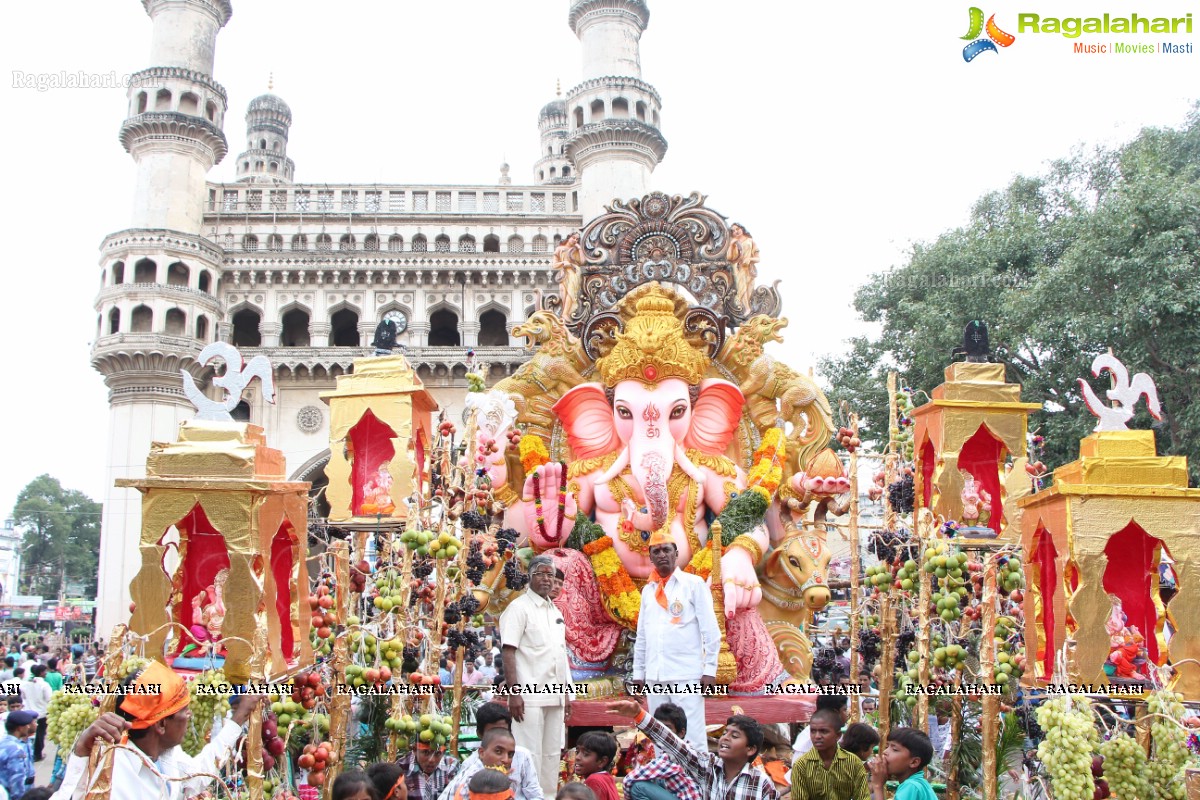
533,452
621,598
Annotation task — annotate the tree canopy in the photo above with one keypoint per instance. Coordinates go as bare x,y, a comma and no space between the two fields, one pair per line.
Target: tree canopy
1101,251
61,537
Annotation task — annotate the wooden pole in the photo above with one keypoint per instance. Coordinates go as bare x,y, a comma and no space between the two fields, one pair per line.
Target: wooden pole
924,537
726,664
952,788
460,653
987,667
339,707
887,617
855,566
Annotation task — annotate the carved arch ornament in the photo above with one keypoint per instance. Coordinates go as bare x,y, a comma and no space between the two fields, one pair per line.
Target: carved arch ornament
669,239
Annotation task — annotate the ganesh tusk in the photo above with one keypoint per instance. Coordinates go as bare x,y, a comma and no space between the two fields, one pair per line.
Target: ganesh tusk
616,469
685,464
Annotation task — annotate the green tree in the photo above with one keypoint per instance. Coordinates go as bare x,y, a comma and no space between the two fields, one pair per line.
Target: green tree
61,537
1101,251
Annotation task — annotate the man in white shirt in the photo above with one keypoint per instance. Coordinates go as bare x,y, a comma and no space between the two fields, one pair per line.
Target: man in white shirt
939,731
678,640
536,672
36,694
488,668
156,724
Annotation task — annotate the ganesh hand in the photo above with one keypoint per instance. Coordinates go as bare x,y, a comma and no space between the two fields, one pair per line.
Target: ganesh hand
548,524
739,580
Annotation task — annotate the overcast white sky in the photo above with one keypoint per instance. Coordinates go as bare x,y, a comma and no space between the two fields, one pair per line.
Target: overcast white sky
837,135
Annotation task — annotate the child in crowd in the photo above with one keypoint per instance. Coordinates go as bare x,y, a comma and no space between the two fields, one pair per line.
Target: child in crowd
575,791
827,770
489,784
495,753
860,739
664,771
388,778
354,785
522,772
594,755
904,759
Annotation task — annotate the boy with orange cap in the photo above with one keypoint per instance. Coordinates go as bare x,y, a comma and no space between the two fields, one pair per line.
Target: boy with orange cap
675,653
150,722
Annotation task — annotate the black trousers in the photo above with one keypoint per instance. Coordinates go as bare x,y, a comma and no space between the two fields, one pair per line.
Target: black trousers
39,741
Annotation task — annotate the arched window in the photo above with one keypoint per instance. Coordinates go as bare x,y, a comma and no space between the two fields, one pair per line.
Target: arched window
491,243
141,320
273,167
324,242
202,328
597,110
189,104
539,244
258,166
250,242
550,150
114,321
395,243
466,244
245,328
176,322
579,117
420,243
493,329
274,145
205,280
141,104
566,172
346,242
145,271
371,243
620,108
118,273
162,100
554,172
343,329
443,329
299,242
262,144
295,329
541,174
275,243
516,244
640,110
210,111
441,244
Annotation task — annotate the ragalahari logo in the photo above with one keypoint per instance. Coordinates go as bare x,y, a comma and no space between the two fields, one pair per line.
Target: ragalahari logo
995,36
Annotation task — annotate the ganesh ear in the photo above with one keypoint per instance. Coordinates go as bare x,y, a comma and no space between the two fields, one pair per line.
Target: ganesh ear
715,417
587,419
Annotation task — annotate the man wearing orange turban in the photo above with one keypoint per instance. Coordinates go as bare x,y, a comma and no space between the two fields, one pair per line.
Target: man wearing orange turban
151,720
678,640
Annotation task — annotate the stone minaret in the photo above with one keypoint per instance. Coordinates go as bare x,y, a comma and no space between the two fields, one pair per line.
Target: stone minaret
158,303
613,115
552,166
268,120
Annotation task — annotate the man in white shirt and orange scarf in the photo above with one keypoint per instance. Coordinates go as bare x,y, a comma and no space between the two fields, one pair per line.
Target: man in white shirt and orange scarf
149,726
675,654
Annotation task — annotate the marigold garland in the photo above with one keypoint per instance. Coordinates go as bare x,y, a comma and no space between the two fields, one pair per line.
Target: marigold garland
772,447
621,597
533,452
701,563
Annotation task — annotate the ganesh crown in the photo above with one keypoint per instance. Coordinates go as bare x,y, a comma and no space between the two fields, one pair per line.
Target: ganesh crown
654,345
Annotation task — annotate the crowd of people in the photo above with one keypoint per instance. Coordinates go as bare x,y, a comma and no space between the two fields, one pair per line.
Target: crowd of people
523,690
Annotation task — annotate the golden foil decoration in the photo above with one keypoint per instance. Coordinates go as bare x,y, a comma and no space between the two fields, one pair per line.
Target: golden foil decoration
1117,480
388,388
227,470
973,396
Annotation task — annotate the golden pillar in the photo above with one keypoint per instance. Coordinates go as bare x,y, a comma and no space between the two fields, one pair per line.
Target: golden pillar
379,437
242,534
972,424
1101,529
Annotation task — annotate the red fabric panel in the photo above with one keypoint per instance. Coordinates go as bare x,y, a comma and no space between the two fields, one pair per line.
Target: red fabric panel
980,456
1044,556
281,568
371,441
204,555
928,464
1133,557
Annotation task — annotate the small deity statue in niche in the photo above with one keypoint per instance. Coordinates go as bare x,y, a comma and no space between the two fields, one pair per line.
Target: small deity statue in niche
977,503
568,257
208,610
743,256
377,494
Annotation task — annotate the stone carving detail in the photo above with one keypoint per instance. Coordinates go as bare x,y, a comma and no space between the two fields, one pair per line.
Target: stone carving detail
309,419
669,239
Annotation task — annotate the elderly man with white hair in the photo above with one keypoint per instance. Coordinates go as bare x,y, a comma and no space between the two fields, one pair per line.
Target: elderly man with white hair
537,675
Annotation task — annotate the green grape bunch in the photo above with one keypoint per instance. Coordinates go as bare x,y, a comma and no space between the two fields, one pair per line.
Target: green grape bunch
1066,751
206,706
1125,767
1165,770
67,716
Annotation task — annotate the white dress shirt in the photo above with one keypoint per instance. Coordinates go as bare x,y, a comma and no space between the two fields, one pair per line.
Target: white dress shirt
522,775
36,694
939,736
133,774
679,646
533,625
